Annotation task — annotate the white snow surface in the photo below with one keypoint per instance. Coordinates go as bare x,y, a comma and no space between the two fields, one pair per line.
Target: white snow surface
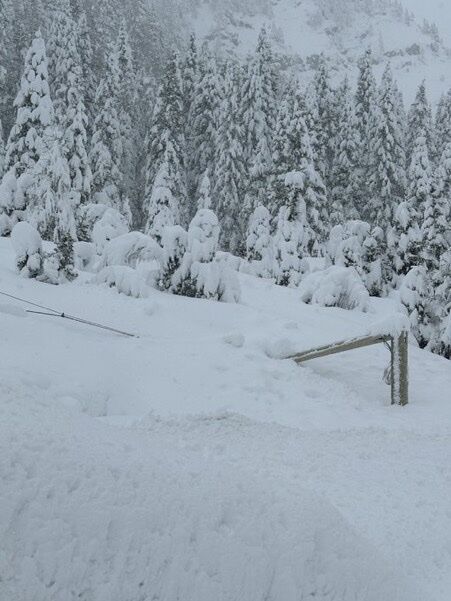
188,464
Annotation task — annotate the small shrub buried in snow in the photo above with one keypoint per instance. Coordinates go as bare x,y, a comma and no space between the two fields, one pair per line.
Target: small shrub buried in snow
130,250
111,225
200,275
259,243
335,287
125,279
175,241
85,255
27,245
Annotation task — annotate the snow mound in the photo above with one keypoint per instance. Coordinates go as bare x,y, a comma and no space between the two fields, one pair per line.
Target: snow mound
335,287
25,239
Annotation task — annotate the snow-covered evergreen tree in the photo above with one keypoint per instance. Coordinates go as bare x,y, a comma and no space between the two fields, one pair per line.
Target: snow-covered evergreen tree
416,295
229,170
163,209
174,240
204,120
326,128
259,243
168,129
346,184
436,227
2,151
443,124
258,102
387,171
68,94
365,117
106,150
204,195
295,175
35,115
420,120
199,275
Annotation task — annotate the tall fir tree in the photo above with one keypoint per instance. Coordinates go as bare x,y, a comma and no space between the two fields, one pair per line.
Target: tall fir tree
443,124
204,119
168,127
68,93
258,102
326,128
346,185
387,171
34,124
229,169
420,120
365,116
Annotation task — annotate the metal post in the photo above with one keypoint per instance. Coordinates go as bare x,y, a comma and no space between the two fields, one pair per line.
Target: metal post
399,370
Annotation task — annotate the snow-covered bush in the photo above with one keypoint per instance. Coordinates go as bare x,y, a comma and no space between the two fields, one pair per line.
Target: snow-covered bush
130,250
85,255
200,275
100,223
125,279
175,242
288,248
12,200
259,243
335,287
27,245
355,244
416,294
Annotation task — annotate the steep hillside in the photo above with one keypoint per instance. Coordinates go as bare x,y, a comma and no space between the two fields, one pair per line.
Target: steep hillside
342,30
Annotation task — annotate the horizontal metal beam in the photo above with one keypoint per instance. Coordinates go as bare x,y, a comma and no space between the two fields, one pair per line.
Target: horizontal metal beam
339,347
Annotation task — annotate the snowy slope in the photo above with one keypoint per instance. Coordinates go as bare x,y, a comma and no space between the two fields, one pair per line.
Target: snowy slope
190,463
302,29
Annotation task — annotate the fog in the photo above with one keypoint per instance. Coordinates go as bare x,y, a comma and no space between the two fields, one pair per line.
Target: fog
438,11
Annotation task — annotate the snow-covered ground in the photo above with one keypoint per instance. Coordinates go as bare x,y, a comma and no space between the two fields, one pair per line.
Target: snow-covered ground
191,463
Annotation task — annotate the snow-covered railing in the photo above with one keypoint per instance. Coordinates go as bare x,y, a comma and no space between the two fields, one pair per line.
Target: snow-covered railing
397,342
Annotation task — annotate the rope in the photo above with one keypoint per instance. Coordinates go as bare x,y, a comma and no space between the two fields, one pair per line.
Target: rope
47,311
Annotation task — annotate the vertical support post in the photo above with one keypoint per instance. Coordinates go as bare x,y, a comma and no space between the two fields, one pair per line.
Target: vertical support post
399,370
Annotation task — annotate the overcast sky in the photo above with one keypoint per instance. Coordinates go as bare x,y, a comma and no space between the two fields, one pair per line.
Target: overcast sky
433,10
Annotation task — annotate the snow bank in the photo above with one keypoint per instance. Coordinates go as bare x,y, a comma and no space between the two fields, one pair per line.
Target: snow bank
335,287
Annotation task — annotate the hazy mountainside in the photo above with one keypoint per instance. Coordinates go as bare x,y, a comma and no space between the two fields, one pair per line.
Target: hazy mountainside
341,29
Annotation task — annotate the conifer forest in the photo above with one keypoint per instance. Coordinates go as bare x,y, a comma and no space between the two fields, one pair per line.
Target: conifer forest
113,125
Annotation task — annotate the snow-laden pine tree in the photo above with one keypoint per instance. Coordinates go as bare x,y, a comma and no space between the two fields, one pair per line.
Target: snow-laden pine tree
443,124
295,176
106,150
35,116
420,120
387,169
200,275
258,102
365,116
204,119
89,80
168,128
229,169
407,243
416,294
259,243
346,189
8,63
68,94
174,240
163,207
436,227
124,84
326,128
2,151
49,192
204,194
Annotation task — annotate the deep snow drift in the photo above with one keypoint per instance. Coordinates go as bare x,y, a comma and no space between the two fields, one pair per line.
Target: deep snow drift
191,463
